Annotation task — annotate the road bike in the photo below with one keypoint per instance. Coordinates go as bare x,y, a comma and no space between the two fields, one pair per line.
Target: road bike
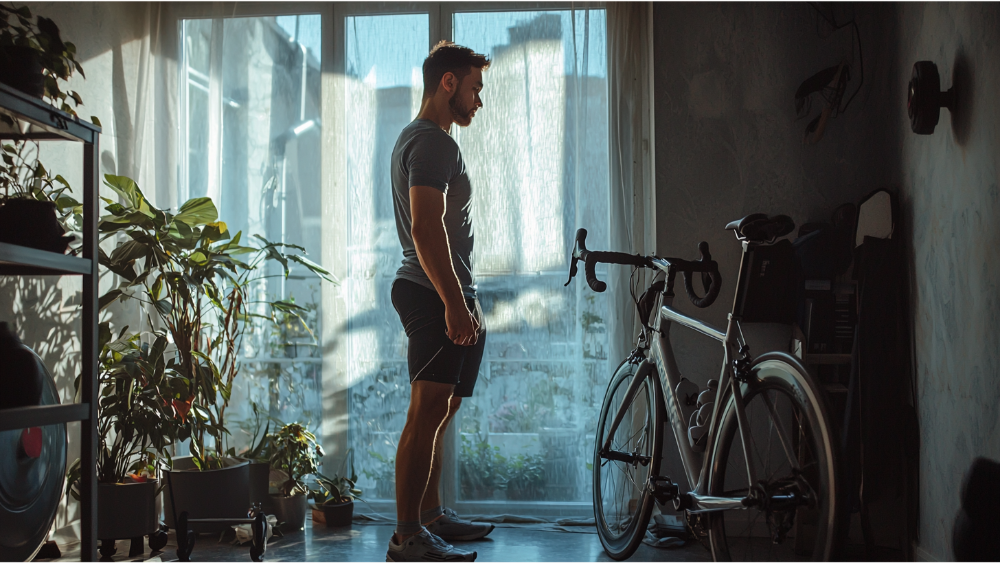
756,446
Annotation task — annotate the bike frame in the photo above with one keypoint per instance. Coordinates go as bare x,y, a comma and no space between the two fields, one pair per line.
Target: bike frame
660,358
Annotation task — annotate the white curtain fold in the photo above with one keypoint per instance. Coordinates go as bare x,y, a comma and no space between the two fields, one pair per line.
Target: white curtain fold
633,205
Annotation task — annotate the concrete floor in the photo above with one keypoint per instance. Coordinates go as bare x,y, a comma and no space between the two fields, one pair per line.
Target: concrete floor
367,542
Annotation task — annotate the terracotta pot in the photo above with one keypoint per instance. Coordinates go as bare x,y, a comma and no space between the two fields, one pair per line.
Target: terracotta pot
291,511
215,493
126,510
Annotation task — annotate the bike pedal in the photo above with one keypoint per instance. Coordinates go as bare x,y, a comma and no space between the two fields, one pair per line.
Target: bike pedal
663,489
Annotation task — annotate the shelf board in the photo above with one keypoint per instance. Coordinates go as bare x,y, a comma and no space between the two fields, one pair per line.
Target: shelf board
46,121
28,417
21,260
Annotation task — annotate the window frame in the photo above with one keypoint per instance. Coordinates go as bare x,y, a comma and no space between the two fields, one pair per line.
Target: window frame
336,417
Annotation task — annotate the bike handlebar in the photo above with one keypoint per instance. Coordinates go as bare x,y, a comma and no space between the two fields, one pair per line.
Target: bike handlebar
705,265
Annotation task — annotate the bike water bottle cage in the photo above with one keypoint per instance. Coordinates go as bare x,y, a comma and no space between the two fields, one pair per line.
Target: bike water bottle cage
758,227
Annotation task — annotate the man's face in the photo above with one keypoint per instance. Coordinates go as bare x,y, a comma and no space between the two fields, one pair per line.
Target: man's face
466,101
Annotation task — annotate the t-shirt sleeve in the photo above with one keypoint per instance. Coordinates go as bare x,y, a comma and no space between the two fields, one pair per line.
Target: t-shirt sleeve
432,161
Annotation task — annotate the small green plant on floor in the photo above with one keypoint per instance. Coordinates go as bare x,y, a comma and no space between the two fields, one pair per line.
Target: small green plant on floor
339,488
294,453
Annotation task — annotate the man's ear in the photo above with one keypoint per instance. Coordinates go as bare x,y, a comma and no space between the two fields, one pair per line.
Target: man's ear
449,82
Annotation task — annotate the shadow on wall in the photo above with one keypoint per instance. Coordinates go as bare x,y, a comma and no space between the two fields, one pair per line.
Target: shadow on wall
962,82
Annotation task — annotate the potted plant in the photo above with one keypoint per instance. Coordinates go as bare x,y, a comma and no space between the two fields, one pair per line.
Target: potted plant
135,426
35,208
195,279
294,453
333,497
34,58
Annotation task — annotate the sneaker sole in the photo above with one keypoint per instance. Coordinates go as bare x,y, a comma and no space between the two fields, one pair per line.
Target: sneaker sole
469,537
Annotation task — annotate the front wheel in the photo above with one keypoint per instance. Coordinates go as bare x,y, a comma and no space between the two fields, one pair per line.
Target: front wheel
791,450
622,503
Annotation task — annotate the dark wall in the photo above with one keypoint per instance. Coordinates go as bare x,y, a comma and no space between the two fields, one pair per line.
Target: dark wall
728,142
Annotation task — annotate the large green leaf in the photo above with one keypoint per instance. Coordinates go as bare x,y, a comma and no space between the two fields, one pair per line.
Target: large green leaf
108,298
198,211
129,191
128,252
316,269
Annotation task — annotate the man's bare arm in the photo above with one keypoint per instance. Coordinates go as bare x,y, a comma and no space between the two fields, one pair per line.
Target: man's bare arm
427,209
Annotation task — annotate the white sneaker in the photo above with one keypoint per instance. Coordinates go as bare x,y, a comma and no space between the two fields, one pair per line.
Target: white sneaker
425,546
450,527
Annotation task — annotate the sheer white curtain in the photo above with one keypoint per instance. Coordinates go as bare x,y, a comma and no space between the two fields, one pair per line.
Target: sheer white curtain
633,203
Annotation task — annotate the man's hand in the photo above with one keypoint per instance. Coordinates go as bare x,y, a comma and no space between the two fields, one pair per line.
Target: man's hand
463,328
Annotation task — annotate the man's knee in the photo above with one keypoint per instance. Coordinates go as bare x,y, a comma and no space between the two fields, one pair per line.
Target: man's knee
430,400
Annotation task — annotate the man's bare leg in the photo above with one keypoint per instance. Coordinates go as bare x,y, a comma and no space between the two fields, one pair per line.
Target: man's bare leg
432,496
425,419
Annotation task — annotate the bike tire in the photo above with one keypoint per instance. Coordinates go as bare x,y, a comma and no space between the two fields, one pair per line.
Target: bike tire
623,527
744,535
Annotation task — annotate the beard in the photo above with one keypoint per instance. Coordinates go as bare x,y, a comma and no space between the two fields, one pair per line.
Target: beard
460,113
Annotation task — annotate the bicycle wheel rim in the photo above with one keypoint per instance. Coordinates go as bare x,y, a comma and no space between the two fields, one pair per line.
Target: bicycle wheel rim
745,535
622,505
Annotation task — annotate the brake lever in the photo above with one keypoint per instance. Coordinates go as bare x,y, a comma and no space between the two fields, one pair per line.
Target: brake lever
572,270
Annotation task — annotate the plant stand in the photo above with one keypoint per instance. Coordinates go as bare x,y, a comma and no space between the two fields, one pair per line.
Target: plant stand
47,123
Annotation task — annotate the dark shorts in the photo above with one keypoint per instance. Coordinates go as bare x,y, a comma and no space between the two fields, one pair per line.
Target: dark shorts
431,355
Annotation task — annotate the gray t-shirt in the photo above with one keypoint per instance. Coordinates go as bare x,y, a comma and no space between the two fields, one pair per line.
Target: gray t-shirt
425,155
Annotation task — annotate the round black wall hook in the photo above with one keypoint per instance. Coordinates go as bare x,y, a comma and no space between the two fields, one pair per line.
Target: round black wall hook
924,98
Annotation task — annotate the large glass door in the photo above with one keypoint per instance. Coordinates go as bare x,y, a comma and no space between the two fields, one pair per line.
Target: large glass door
538,157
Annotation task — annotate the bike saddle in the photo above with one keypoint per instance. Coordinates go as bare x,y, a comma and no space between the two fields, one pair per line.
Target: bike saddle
758,227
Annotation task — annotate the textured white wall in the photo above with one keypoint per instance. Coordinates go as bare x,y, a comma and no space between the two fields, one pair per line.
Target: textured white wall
950,191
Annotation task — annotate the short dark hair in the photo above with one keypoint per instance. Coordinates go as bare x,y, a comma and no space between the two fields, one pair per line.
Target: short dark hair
447,57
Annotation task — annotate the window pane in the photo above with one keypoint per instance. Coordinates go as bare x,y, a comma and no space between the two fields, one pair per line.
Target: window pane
251,92
384,85
538,154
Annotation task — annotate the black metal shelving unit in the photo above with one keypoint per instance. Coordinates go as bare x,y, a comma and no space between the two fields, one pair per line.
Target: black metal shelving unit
49,124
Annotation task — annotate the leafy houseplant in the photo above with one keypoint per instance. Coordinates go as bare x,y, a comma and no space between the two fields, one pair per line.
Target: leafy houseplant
135,424
34,58
334,496
197,279
33,55
135,420
294,452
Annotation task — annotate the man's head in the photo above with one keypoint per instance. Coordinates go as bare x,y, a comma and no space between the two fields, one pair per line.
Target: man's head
455,74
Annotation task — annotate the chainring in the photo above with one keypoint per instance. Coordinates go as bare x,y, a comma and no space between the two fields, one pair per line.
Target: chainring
32,481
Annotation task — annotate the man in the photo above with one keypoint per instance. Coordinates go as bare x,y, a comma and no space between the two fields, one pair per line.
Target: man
436,300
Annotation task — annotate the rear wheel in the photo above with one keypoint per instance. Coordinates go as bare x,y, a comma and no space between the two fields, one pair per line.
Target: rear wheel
791,449
622,503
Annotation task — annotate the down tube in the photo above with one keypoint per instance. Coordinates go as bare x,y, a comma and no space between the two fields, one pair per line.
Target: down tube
666,365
